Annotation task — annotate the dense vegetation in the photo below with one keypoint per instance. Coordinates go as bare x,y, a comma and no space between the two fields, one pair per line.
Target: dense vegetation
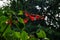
30,20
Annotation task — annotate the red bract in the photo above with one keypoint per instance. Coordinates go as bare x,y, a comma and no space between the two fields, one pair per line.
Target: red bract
26,14
37,17
32,18
10,22
25,21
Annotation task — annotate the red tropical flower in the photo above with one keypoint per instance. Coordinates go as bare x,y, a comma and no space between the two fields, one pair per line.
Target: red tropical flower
37,17
25,21
32,18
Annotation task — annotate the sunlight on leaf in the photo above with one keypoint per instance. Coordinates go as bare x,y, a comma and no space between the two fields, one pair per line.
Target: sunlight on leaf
24,35
20,12
41,34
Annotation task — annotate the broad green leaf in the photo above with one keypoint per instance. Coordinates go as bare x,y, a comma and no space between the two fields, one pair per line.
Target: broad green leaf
21,20
2,27
8,30
41,34
3,19
17,34
24,35
2,22
10,34
20,12
21,24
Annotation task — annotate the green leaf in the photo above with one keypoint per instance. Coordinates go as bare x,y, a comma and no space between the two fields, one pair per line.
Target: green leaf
20,20
20,12
17,34
10,34
2,22
8,30
3,19
24,35
41,34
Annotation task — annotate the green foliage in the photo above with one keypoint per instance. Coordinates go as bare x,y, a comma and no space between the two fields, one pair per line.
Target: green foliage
41,34
2,23
20,20
24,35
17,34
20,12
33,38
16,9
